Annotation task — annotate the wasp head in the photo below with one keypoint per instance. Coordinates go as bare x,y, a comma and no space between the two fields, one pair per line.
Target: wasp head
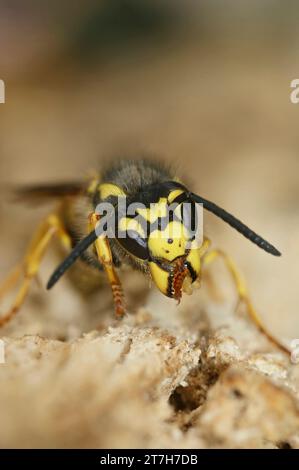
174,259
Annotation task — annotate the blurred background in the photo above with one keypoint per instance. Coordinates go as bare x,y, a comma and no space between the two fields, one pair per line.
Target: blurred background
204,85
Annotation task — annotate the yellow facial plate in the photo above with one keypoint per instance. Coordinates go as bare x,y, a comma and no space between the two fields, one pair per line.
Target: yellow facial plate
194,259
160,277
157,209
158,242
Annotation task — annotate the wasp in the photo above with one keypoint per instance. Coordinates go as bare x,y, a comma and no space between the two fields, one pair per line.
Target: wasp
150,238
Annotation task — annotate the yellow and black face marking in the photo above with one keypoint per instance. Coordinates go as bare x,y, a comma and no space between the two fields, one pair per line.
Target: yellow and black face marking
156,233
152,233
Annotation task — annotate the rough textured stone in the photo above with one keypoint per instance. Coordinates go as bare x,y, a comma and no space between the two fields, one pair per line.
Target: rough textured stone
151,380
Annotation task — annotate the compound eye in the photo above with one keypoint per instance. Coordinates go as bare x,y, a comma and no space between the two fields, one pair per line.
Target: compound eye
132,238
135,245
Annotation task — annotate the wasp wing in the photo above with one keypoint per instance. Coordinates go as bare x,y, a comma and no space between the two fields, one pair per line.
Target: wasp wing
43,193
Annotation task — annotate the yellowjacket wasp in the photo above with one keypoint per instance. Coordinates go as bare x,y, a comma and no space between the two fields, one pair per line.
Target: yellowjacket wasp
165,251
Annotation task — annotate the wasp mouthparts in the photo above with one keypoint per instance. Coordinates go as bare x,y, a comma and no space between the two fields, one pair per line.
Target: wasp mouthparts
179,274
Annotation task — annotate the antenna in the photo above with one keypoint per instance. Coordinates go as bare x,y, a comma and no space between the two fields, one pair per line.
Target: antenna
236,224
72,257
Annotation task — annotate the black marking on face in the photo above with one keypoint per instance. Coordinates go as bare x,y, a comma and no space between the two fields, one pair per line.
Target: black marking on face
151,194
134,244
191,271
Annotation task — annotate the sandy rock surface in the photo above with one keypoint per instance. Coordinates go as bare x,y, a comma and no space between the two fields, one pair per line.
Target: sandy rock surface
163,377
198,375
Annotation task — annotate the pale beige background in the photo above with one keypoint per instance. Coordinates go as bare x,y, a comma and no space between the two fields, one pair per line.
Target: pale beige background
211,95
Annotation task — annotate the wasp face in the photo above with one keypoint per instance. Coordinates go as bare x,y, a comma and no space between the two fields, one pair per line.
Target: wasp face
174,259
160,234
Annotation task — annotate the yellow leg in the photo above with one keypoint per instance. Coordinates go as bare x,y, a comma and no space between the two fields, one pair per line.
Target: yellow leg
243,294
29,267
11,280
105,258
204,247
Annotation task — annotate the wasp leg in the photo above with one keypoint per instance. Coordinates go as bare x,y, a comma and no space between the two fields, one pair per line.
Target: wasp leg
105,258
11,280
243,294
30,265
